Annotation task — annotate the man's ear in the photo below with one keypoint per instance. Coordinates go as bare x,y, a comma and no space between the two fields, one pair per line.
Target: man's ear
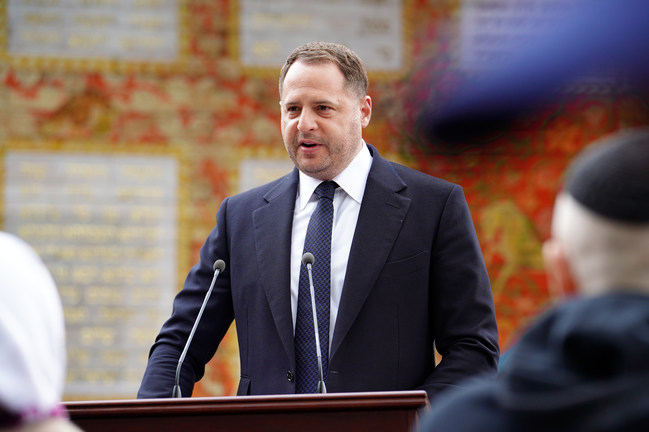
366,111
561,282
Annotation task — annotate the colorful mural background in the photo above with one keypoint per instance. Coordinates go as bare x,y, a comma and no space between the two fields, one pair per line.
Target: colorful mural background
215,114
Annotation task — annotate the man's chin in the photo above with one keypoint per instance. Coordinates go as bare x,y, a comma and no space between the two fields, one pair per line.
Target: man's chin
314,171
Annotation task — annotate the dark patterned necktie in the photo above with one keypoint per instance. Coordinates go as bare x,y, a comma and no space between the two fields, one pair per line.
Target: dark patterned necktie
317,242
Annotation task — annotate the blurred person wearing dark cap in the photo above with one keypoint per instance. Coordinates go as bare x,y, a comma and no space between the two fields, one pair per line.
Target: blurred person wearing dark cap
32,343
584,364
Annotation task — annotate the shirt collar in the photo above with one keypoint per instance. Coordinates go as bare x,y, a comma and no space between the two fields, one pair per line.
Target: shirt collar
352,180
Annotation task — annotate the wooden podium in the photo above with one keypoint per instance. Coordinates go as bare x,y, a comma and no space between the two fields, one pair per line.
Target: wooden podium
334,412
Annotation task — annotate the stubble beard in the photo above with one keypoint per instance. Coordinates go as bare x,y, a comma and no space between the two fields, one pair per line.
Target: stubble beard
318,168
336,159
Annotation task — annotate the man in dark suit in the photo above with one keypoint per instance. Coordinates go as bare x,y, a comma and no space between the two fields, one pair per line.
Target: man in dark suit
407,273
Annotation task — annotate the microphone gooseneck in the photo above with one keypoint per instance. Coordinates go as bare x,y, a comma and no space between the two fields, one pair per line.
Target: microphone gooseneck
219,266
307,260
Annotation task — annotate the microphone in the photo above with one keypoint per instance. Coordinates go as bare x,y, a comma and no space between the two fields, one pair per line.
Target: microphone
219,266
307,260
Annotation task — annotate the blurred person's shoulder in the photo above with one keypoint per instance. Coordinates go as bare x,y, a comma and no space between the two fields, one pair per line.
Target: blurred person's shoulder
479,397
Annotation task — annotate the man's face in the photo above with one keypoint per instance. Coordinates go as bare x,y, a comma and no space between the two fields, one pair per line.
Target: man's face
321,120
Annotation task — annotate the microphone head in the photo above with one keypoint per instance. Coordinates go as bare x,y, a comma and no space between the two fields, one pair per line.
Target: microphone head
307,258
219,265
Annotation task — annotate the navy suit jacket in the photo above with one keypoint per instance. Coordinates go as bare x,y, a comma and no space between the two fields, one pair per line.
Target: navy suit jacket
415,281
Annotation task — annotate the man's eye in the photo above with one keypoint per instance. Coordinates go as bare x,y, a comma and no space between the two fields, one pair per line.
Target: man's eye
323,108
292,109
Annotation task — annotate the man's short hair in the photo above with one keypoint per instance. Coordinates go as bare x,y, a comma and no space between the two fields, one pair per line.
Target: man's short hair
349,63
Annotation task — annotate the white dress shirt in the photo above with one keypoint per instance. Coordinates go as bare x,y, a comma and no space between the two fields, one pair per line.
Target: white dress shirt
347,205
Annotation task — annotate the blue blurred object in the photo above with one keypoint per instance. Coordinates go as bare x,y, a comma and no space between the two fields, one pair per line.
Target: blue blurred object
599,37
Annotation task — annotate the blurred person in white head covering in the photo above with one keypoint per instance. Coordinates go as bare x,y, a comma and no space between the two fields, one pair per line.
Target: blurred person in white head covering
32,343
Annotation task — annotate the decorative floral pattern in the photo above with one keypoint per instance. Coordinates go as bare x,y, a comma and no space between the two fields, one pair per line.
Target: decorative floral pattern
215,114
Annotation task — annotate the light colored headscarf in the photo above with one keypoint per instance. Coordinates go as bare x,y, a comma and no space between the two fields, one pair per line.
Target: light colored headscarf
32,335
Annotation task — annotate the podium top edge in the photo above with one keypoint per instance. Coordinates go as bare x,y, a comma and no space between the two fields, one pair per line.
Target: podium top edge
413,399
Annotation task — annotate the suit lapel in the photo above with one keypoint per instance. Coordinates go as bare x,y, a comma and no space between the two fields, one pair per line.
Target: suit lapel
382,213
272,225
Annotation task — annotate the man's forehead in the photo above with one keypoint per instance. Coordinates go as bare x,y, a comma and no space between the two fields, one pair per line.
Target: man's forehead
314,86
300,68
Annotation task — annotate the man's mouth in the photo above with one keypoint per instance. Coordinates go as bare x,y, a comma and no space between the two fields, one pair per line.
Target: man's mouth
308,144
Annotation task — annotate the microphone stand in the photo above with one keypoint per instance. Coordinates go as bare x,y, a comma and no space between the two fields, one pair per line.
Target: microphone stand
218,266
308,261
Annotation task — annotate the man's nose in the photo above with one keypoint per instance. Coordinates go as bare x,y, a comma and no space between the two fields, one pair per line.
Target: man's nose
307,121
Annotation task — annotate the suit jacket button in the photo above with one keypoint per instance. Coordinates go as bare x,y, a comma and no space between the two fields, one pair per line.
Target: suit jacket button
290,376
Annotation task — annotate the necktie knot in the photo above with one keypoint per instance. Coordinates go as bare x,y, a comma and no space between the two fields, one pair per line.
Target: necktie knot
326,189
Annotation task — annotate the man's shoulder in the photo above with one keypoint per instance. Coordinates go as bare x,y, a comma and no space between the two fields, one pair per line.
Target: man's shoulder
406,171
381,166
421,182
269,189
